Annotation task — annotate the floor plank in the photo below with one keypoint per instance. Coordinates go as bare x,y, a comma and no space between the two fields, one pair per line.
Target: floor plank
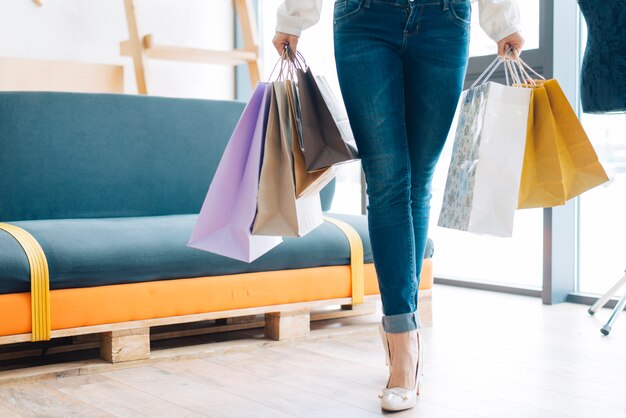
286,398
116,398
37,400
208,400
488,355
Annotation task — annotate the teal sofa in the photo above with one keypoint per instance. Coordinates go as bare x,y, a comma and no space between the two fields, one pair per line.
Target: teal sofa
110,187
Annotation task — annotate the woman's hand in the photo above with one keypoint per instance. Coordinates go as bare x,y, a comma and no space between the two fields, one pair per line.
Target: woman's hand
514,41
281,39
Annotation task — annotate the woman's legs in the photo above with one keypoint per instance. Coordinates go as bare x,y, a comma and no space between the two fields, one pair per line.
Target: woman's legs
401,65
435,59
369,65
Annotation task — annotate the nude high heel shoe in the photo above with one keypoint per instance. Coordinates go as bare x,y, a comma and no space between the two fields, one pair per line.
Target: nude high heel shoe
397,398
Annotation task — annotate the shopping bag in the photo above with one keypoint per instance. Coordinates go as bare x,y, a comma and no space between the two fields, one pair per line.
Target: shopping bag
279,212
483,180
323,144
338,113
560,162
224,224
306,183
541,184
580,166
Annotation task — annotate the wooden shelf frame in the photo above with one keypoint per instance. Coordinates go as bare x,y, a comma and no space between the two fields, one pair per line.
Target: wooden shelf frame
142,48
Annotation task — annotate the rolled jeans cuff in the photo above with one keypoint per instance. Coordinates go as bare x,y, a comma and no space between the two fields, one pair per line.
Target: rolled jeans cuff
401,322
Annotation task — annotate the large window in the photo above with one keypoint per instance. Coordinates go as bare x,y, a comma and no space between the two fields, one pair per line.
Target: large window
602,210
515,261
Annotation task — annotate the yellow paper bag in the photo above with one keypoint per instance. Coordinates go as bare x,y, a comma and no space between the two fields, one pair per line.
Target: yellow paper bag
542,180
559,162
579,162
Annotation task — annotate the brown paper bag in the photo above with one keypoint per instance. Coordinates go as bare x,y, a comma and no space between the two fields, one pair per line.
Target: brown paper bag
278,211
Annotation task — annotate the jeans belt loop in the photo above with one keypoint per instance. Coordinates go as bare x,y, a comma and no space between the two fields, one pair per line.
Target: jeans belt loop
446,5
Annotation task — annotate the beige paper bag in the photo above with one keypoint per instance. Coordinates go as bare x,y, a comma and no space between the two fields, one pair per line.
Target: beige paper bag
279,213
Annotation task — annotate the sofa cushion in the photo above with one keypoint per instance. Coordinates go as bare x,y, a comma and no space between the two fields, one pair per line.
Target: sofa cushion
69,155
95,252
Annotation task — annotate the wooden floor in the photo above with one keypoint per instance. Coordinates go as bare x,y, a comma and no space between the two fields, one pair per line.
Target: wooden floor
488,355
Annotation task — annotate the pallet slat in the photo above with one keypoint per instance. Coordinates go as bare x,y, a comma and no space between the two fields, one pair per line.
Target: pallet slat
129,341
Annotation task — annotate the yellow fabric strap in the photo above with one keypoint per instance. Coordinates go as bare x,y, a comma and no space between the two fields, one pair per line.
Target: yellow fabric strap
39,281
356,258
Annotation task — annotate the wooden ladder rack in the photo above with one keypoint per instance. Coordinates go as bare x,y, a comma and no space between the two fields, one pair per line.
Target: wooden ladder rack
140,49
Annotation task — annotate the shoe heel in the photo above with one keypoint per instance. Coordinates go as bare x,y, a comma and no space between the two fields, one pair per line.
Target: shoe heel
419,372
385,340
383,336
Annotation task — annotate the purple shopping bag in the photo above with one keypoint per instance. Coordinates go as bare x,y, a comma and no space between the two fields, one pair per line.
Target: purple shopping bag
223,226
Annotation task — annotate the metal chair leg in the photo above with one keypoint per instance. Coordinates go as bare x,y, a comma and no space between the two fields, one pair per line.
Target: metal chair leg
606,329
616,311
605,298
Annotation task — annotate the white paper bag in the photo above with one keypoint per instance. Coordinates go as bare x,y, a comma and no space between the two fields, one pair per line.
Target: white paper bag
484,176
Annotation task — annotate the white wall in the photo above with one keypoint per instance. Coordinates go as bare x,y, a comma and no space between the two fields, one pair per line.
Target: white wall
90,31
316,43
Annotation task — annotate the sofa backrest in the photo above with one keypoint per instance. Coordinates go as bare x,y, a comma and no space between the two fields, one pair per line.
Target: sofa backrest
65,155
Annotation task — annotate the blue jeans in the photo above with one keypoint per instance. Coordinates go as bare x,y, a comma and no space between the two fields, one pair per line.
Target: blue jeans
401,65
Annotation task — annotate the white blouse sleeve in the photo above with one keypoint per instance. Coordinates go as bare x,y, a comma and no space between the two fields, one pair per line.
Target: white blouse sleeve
499,18
294,16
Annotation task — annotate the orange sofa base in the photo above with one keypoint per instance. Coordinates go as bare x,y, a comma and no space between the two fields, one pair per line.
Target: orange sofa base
70,308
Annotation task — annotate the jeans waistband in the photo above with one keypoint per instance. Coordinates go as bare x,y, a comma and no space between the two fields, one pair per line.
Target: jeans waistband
404,3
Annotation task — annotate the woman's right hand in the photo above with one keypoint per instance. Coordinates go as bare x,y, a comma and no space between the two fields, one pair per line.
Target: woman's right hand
515,41
281,39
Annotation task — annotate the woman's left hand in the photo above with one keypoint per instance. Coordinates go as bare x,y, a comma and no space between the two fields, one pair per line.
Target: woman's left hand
514,41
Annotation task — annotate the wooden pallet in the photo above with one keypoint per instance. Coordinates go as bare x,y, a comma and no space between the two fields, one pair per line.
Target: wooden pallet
130,341
127,341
